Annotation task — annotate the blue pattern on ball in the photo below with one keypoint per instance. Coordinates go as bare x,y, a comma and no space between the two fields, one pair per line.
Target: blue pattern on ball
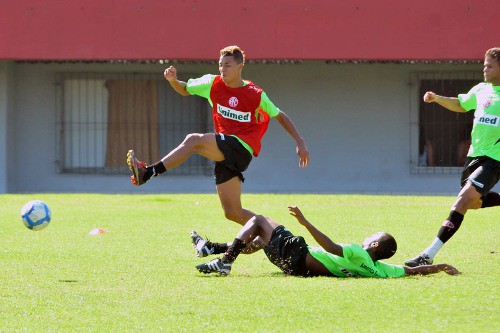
36,215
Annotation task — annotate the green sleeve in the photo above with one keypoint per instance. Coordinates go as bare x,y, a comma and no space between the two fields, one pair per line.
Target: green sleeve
201,86
392,271
268,106
468,101
347,251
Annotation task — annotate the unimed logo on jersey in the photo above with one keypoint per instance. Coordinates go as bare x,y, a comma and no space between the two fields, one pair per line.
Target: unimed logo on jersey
488,120
243,117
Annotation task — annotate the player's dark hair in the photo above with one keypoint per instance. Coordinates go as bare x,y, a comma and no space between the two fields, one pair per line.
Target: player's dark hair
494,53
387,246
235,52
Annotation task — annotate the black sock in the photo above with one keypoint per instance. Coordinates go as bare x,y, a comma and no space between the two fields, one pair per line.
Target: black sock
491,199
450,226
233,251
218,247
154,170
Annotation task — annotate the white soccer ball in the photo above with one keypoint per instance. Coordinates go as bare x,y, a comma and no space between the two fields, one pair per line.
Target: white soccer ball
36,215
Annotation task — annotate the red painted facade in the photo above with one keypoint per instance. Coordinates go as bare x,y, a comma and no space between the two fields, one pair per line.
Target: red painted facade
267,29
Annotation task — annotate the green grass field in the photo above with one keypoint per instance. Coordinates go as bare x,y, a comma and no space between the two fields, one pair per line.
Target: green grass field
141,277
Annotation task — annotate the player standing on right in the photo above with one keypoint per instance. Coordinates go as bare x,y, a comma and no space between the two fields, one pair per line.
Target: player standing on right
482,169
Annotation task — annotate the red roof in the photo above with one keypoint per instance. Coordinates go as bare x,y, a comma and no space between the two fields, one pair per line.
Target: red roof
265,29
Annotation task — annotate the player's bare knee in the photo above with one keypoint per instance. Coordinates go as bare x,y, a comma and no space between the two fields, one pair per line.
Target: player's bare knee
259,219
192,139
196,142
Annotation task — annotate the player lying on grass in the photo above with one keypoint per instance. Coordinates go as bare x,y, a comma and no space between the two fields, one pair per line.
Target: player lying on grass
294,257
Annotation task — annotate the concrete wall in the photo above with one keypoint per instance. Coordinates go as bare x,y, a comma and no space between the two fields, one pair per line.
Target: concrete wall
355,119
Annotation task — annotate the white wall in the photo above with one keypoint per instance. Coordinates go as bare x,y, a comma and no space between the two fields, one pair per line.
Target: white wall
355,119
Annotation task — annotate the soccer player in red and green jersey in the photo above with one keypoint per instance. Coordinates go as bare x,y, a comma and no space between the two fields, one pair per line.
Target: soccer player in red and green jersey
482,168
241,112
294,257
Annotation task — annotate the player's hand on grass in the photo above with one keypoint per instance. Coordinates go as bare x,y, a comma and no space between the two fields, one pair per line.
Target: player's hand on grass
170,73
448,269
429,97
431,269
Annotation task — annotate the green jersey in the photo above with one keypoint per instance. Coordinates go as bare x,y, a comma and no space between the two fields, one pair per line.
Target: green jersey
201,87
485,136
355,262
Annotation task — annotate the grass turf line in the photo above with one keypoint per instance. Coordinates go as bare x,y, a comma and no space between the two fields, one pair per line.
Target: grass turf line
141,276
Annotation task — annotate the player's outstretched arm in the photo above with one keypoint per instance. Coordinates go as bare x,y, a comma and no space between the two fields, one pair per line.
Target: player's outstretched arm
451,103
290,128
323,240
431,269
179,86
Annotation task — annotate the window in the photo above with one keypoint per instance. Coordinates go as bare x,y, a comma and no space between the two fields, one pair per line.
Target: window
440,138
101,116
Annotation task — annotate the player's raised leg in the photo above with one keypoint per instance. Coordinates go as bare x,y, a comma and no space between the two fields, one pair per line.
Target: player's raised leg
194,143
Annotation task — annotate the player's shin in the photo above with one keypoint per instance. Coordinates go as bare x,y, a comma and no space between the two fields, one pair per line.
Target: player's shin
447,230
450,226
233,251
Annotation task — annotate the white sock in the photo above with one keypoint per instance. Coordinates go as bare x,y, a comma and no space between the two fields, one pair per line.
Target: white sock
434,248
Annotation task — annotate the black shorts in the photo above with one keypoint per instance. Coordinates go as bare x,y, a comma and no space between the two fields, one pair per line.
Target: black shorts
483,172
236,159
288,252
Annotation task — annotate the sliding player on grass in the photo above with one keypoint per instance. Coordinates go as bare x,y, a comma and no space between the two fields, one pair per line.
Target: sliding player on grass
294,257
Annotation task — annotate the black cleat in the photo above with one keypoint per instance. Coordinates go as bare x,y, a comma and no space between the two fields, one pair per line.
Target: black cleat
420,260
202,246
215,266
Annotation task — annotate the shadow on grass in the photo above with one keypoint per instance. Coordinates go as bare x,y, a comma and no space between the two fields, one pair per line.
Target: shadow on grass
249,275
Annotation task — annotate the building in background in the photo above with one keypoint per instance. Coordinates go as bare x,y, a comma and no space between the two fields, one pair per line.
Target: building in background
82,82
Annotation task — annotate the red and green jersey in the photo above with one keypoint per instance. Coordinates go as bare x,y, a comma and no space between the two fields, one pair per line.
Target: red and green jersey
485,135
356,262
242,112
